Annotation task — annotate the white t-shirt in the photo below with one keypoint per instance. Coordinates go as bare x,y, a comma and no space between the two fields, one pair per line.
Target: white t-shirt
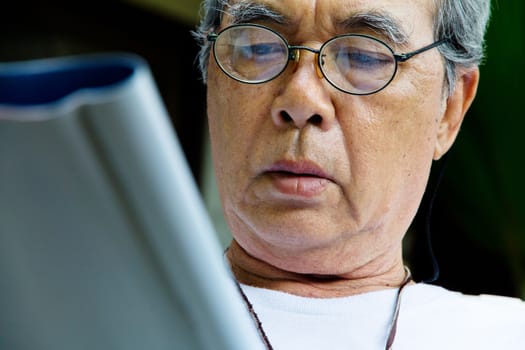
430,318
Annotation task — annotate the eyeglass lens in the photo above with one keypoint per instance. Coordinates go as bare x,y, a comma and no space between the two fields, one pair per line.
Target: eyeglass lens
352,63
251,54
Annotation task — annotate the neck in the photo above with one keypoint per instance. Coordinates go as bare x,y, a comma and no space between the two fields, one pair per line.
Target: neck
252,271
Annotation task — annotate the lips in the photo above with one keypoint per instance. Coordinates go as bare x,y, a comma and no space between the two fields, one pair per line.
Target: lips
298,178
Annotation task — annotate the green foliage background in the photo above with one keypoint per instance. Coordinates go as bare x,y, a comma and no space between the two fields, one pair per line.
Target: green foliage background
485,186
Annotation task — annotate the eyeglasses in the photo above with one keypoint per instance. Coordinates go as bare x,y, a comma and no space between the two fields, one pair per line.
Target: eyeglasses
357,64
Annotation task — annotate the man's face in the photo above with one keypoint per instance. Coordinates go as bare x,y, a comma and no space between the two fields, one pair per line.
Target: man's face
314,180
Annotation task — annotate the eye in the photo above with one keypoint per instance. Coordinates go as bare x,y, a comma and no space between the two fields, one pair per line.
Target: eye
261,52
356,58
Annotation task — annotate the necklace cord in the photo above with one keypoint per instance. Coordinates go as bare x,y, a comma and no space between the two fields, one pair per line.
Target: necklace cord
391,333
255,318
395,317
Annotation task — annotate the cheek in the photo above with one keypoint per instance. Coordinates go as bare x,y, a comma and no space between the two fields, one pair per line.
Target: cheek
414,111
412,136
388,130
390,142
235,118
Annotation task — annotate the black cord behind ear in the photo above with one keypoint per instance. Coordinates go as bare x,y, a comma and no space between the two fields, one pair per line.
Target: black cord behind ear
428,235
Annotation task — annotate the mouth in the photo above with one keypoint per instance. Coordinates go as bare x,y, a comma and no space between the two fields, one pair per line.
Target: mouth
298,178
298,168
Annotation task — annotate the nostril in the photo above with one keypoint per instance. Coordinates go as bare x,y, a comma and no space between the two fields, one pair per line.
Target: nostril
316,119
286,117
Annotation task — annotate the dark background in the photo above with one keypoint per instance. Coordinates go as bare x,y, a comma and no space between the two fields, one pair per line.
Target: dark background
477,223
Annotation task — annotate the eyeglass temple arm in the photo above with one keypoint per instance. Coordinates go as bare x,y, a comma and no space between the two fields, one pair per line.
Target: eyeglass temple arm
402,57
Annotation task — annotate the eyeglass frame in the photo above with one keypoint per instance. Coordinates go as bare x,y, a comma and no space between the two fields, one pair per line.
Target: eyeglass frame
293,56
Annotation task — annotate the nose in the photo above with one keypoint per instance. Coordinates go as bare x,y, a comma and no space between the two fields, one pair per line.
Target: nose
303,98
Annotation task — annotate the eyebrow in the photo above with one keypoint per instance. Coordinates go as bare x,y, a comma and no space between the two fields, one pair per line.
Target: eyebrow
248,11
378,22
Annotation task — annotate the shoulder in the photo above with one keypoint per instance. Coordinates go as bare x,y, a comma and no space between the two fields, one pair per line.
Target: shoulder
482,320
451,301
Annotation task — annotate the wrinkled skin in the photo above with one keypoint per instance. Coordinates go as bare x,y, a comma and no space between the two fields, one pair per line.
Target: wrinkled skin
318,186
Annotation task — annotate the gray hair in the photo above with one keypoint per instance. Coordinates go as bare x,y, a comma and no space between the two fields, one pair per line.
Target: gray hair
462,23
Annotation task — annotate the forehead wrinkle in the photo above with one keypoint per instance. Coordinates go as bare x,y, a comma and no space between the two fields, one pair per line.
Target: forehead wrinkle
245,11
378,22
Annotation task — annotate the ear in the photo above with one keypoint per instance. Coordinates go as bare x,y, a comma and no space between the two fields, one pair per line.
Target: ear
456,107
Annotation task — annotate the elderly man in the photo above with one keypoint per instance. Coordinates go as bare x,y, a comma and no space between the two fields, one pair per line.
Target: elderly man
325,117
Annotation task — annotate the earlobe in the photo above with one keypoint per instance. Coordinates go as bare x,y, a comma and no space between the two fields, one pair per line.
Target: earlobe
456,107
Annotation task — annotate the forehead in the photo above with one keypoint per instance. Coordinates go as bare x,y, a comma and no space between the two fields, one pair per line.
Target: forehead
409,16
